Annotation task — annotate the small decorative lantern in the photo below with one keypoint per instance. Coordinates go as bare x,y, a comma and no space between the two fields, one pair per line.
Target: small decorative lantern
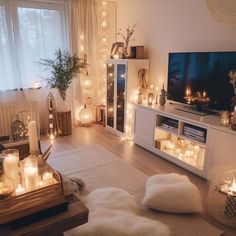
150,98
51,117
85,116
162,99
18,129
86,81
222,194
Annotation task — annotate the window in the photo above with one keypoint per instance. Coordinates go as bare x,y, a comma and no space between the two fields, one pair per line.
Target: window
29,30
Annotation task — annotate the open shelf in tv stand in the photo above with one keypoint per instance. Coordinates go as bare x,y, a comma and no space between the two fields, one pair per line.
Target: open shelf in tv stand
164,141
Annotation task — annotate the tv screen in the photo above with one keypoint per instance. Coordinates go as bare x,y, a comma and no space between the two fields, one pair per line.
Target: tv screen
211,72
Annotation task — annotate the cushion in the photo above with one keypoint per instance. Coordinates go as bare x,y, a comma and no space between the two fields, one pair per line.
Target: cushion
172,193
114,212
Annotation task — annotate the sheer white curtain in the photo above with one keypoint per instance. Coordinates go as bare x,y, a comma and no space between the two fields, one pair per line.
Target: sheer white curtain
30,30
84,40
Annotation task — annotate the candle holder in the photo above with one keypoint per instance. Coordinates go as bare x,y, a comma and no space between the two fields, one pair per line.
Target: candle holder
221,198
11,165
6,186
225,118
29,172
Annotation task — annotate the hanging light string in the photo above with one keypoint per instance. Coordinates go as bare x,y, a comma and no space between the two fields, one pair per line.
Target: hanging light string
103,47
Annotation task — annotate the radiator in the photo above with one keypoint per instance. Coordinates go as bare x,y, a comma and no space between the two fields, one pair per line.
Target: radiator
24,110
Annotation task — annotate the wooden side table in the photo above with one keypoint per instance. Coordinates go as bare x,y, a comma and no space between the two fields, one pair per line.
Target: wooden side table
77,214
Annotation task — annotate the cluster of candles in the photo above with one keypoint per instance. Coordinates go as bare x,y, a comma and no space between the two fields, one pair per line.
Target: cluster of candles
200,98
149,98
24,175
184,150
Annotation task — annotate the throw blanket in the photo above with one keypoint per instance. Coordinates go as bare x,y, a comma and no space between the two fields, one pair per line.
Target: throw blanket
113,211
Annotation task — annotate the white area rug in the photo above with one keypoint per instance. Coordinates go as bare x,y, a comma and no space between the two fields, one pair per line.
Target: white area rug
100,168
113,211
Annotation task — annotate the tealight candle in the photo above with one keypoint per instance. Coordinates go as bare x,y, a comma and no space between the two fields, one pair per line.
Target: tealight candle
30,173
47,178
10,165
19,190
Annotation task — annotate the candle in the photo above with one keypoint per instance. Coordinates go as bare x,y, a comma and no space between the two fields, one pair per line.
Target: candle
19,190
10,165
33,138
31,177
47,178
50,116
51,125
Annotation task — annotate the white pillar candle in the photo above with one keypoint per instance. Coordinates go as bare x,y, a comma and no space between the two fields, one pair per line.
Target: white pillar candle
33,138
31,177
10,165
19,190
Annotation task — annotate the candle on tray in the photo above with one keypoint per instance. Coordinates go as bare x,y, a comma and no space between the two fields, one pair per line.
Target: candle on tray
33,138
19,190
47,178
10,165
30,173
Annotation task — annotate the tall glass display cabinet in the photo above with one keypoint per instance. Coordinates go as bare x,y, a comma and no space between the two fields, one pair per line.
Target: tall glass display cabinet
122,82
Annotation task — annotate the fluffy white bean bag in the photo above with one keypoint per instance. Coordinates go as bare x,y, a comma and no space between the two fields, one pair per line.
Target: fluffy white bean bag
113,212
172,193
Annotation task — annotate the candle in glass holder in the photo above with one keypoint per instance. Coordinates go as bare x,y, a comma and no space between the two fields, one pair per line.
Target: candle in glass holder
225,118
47,178
33,138
30,173
19,190
10,165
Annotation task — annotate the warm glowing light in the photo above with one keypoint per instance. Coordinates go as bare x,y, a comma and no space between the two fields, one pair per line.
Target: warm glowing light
85,116
51,136
232,188
116,56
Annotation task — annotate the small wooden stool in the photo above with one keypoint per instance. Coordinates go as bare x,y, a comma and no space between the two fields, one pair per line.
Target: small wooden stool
100,119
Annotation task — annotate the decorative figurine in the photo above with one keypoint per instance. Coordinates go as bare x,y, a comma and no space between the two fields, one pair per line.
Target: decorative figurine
163,94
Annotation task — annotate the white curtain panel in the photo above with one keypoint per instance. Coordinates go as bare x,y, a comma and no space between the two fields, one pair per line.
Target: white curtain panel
84,40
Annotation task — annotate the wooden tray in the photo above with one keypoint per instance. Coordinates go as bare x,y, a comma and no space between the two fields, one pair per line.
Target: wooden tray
15,207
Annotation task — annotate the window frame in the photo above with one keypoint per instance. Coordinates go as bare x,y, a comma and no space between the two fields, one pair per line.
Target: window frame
13,31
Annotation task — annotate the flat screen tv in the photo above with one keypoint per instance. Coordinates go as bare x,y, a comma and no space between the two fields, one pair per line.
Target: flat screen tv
211,72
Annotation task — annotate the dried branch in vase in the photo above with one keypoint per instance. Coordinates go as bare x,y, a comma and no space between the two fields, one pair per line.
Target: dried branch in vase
127,37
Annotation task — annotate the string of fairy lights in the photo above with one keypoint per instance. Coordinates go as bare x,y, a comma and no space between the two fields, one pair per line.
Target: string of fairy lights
103,48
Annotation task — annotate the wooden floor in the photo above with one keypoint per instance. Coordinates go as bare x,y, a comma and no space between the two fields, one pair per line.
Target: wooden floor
140,158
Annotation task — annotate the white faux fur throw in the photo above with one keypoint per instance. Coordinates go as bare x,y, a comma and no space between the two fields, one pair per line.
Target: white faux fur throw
114,212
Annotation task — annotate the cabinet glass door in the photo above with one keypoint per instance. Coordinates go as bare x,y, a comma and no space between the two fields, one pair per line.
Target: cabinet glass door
120,92
110,95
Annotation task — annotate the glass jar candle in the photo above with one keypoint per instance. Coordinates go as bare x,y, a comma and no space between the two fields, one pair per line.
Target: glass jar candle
6,186
11,165
30,176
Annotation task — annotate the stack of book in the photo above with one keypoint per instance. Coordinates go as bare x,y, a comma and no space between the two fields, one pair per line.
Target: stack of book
196,133
170,124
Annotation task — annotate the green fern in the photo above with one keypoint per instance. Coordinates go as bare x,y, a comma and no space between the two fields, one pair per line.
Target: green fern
63,69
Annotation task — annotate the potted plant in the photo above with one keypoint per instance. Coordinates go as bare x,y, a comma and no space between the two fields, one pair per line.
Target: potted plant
63,68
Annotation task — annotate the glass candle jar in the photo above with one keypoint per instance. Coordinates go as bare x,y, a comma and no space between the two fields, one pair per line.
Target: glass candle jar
11,165
225,118
29,170
6,186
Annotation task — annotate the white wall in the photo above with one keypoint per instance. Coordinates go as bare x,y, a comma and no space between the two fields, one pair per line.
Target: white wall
173,25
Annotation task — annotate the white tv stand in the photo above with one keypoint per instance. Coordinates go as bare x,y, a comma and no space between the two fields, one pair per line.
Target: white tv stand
193,142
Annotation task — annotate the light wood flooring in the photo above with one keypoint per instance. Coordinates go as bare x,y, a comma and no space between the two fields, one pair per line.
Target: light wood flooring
140,158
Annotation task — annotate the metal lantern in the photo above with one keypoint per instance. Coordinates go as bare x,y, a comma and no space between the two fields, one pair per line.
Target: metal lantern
85,116
51,117
86,81
18,129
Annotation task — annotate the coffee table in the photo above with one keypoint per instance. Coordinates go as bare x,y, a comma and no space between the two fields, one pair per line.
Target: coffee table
77,214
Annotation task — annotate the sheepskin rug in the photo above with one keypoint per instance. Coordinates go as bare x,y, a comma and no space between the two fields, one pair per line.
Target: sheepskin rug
114,212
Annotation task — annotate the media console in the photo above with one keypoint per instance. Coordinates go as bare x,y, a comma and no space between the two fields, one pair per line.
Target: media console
193,142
